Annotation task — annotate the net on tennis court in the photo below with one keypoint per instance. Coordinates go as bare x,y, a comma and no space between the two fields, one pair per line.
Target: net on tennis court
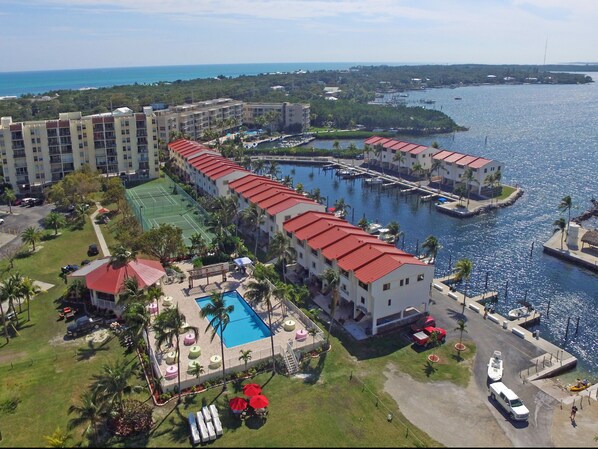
151,194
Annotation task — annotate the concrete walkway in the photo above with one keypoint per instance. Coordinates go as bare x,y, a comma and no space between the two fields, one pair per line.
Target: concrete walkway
98,231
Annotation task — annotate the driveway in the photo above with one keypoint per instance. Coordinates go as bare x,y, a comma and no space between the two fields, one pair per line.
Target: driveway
458,416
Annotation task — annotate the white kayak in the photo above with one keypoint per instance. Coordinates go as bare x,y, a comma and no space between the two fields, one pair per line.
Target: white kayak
495,367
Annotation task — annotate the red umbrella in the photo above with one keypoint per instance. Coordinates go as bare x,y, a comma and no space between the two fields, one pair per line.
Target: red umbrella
331,209
252,389
237,404
259,401
103,210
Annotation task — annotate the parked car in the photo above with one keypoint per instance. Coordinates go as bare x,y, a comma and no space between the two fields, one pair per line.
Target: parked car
1,221
69,268
83,325
422,338
509,401
17,202
92,250
38,201
425,321
25,202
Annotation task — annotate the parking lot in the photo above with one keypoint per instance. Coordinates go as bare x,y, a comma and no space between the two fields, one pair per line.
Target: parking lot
15,223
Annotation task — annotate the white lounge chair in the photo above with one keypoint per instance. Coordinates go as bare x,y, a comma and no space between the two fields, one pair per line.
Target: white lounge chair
211,430
216,420
203,430
206,414
195,438
213,411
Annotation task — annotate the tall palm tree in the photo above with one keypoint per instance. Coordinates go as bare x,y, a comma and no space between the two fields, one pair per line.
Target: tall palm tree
28,290
154,293
90,412
468,177
258,165
138,320
218,313
378,152
316,195
417,169
131,291
281,248
489,181
9,196
332,279
432,246
565,205
363,223
341,206
112,383
31,235
435,167
245,356
561,225
120,255
55,221
461,327
400,158
254,217
168,326
261,290
274,169
288,181
463,269
283,291
394,229
12,291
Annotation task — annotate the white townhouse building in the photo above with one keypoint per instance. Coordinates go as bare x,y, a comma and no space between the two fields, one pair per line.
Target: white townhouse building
181,150
384,150
279,203
36,154
454,165
379,284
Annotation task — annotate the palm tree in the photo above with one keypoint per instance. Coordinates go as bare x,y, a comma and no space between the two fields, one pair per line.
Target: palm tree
288,181
417,169
168,327
28,290
432,246
468,177
138,320
261,290
341,207
363,223
463,269
378,152
120,255
55,221
281,248
313,332
561,225
274,169
258,165
9,196
489,181
218,313
112,383
400,158
565,205
91,412
394,229
197,370
131,291
254,217
12,291
59,438
245,356
154,293
332,279
461,327
436,166
460,190
316,195
31,236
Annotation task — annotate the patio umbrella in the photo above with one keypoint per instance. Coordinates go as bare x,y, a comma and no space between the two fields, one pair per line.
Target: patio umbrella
237,404
259,401
331,209
103,210
252,389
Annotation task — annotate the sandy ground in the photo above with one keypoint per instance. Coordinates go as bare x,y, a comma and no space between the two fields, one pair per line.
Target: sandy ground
452,415
457,417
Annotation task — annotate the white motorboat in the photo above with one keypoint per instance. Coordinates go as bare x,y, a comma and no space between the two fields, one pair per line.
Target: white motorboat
519,312
374,228
376,180
495,367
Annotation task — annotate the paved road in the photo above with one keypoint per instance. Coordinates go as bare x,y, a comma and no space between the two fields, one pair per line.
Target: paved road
517,354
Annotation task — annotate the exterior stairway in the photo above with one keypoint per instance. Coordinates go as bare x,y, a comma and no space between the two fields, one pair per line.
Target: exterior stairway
290,360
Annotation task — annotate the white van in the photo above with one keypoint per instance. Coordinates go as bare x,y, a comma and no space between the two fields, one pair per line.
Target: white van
509,401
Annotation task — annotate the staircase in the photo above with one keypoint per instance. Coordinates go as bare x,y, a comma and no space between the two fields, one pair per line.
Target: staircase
290,360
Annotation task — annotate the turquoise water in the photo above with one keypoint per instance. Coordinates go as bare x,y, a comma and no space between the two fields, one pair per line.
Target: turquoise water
547,138
245,325
20,83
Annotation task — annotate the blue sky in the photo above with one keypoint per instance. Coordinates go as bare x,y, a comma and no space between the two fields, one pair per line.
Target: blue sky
62,34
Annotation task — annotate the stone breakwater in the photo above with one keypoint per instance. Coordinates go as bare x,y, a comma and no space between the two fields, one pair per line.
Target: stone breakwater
462,212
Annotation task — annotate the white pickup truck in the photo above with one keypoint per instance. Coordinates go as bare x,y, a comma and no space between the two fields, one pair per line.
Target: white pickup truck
509,401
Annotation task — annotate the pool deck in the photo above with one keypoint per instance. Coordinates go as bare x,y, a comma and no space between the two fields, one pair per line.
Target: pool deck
261,349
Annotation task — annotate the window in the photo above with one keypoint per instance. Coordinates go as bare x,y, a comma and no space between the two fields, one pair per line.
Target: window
313,265
314,252
406,281
362,300
300,255
420,277
344,273
364,286
328,262
386,286
401,283
389,301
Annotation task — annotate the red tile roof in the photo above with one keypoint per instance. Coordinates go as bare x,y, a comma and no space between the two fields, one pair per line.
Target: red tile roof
443,154
372,140
466,160
454,157
110,279
302,220
419,149
479,162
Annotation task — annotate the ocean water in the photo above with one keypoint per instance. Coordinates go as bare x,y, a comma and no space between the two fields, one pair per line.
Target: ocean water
21,83
546,138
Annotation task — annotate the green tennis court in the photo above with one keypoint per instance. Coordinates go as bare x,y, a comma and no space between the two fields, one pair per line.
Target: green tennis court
163,201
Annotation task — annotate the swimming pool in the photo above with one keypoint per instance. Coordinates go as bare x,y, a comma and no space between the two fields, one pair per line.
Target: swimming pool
244,326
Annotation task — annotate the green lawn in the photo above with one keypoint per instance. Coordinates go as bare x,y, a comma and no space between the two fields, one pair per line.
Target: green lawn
506,192
330,408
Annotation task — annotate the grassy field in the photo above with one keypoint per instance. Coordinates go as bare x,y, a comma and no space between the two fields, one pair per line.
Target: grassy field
506,192
340,402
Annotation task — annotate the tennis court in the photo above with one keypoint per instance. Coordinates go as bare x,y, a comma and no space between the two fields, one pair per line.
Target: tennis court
163,201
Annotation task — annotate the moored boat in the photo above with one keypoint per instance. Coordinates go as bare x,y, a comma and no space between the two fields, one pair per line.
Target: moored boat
519,312
495,367
580,385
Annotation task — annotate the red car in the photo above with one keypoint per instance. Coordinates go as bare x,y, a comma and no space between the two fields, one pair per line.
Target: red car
422,338
419,325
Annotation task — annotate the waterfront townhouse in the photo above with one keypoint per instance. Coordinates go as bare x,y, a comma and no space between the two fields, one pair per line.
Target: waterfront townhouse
453,166
380,285
179,153
36,154
276,202
291,117
195,118
383,151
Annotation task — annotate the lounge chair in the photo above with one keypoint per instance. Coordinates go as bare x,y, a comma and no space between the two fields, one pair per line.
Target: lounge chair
206,414
211,430
203,430
195,438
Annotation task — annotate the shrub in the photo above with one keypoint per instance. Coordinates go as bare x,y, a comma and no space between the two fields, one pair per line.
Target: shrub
135,418
9,405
